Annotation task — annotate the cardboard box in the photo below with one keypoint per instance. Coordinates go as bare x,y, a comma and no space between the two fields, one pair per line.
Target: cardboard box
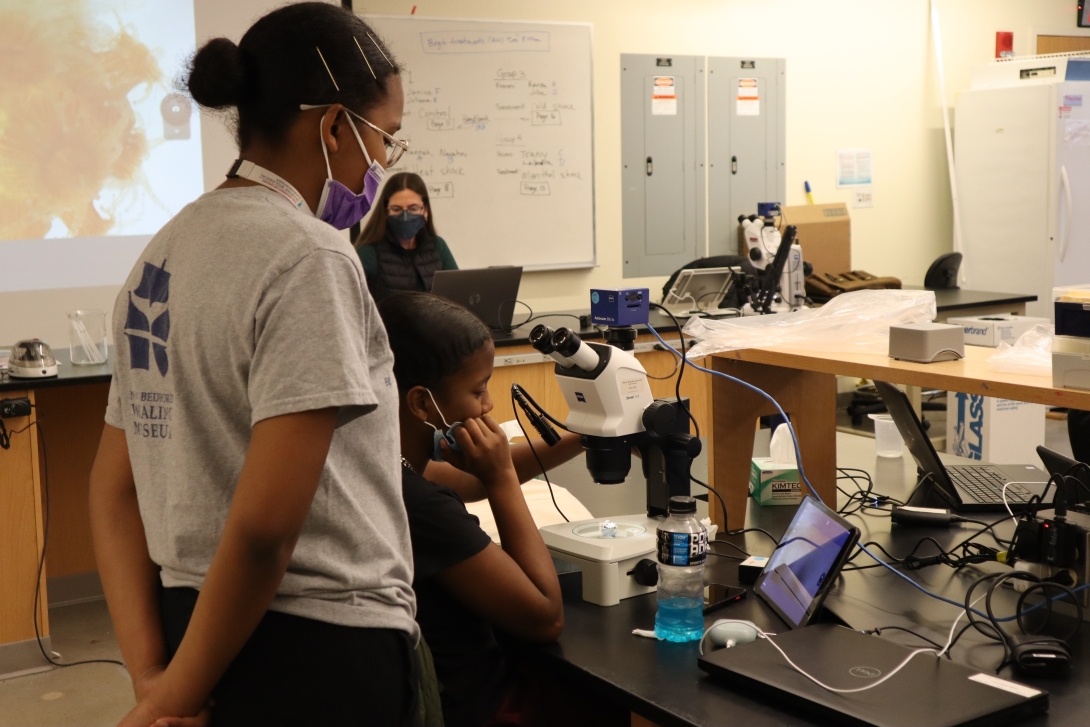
992,330
1000,431
825,234
774,484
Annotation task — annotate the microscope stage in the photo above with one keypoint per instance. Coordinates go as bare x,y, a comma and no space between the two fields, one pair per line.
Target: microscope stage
635,536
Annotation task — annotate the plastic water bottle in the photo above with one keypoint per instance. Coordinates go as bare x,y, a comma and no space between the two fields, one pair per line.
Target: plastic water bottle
682,548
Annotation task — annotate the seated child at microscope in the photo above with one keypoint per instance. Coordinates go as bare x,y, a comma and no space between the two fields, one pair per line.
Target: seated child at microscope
466,585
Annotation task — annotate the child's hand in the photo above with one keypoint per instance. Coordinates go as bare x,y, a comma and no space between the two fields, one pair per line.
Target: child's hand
485,451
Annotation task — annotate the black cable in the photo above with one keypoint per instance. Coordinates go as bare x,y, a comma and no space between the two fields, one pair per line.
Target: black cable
41,560
877,631
531,318
727,542
724,555
722,503
514,406
681,371
540,409
742,531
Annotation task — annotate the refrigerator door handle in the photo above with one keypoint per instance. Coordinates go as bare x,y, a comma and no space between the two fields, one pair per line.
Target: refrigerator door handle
1065,229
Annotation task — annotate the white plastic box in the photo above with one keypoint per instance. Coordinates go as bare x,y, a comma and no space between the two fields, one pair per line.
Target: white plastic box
1000,431
993,330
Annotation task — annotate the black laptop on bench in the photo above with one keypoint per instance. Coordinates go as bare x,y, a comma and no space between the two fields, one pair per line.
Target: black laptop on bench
963,488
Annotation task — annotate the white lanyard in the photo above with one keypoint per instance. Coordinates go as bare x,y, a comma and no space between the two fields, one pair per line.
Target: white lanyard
249,170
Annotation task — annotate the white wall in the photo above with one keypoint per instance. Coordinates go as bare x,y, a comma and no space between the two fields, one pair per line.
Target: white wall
860,73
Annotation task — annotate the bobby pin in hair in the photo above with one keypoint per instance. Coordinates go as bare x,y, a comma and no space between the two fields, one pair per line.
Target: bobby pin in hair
365,59
379,47
331,78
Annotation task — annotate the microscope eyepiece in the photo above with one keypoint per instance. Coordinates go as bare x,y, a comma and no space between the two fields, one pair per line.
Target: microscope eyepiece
541,338
567,343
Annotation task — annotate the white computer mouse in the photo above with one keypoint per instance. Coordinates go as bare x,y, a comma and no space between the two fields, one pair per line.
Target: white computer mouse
726,633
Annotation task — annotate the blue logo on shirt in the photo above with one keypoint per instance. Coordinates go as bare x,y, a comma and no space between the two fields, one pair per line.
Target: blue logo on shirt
145,337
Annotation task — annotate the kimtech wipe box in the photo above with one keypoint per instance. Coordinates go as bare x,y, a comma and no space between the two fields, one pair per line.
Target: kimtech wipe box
771,483
993,330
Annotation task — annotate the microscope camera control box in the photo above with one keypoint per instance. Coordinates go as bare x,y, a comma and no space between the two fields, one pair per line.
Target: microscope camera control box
619,306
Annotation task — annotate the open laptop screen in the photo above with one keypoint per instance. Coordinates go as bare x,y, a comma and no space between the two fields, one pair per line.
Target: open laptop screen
806,562
916,439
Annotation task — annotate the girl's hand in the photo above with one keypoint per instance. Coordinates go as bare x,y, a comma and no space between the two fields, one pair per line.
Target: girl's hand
485,451
148,712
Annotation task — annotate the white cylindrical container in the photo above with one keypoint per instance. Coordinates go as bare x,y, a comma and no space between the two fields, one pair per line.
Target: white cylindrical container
887,437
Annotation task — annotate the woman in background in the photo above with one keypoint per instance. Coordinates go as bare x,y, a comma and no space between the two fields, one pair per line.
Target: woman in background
399,248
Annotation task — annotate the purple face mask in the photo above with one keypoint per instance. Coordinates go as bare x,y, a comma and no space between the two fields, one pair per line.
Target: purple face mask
340,206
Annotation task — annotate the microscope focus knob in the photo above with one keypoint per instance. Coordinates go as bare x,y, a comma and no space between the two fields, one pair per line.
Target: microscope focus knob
687,443
646,573
659,418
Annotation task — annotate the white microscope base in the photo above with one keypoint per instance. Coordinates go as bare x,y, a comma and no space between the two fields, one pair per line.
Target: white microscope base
604,561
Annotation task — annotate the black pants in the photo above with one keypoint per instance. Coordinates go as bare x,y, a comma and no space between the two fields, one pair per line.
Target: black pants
297,671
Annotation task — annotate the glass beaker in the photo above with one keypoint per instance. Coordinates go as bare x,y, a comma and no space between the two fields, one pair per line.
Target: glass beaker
87,337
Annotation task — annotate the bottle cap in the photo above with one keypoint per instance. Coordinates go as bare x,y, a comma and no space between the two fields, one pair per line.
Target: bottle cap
682,504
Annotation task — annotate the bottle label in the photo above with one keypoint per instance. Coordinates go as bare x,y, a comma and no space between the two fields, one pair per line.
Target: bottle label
682,549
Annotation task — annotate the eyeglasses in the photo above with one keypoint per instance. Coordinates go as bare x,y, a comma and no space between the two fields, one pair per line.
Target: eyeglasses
394,147
413,209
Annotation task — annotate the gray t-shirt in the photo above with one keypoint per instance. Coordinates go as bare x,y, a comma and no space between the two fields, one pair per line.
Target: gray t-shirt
243,308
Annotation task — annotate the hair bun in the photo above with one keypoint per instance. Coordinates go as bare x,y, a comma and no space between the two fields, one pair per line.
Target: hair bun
217,74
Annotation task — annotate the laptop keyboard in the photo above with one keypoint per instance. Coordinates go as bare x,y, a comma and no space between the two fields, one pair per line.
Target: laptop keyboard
985,484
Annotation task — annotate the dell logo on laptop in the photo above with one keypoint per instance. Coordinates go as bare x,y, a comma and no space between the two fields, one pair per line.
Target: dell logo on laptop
865,672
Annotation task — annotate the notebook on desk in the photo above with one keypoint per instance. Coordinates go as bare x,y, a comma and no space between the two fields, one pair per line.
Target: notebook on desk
963,488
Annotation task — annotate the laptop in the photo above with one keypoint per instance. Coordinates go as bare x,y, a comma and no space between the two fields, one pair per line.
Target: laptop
963,488
701,290
490,293
1076,479
927,691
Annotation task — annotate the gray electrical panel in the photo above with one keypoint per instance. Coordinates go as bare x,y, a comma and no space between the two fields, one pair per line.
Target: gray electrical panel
746,139
662,157
674,210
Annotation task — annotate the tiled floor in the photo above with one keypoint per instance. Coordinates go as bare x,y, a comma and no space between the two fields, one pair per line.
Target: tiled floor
87,695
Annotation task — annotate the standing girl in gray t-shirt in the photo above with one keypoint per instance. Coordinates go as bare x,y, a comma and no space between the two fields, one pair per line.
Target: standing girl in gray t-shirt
246,498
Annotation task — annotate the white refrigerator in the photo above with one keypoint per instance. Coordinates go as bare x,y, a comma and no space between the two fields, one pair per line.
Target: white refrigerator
1022,158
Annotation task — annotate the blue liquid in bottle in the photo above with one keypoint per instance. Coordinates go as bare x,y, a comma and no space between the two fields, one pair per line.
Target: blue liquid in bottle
680,619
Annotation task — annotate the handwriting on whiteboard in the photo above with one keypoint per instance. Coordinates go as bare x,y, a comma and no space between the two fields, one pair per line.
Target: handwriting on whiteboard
468,41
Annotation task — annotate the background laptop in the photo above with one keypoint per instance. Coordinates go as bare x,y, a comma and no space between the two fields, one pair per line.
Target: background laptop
489,292
927,691
965,488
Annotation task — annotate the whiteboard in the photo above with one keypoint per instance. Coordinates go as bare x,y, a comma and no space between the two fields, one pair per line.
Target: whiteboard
499,120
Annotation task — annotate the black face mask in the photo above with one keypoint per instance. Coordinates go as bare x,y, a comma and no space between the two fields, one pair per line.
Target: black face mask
406,225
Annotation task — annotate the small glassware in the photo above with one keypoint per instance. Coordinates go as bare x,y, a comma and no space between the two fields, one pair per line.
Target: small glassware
87,337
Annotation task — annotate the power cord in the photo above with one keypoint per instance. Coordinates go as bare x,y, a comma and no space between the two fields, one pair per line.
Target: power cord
682,357
515,408
751,387
530,318
723,506
41,559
